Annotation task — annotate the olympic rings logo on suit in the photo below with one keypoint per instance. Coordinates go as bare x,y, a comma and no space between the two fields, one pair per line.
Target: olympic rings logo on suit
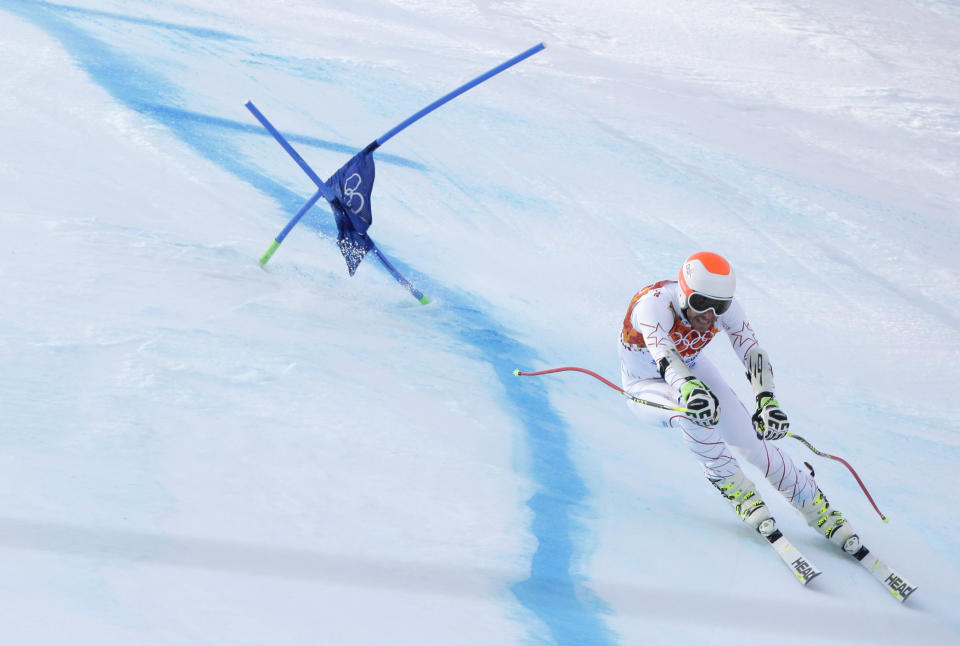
690,342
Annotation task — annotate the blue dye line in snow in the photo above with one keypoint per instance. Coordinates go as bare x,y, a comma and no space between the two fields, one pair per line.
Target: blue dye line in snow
171,116
199,32
564,604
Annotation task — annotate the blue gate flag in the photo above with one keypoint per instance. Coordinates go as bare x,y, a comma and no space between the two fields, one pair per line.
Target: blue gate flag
348,190
352,186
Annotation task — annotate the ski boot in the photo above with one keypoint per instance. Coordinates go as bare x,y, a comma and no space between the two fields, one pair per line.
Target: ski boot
742,494
830,522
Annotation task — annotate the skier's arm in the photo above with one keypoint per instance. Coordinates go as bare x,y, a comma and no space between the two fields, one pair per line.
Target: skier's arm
654,318
769,422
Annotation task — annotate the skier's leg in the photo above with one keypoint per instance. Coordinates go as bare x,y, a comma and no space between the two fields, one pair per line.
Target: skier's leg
795,484
706,443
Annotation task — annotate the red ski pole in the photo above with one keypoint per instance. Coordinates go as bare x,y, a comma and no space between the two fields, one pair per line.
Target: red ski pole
679,409
620,390
844,463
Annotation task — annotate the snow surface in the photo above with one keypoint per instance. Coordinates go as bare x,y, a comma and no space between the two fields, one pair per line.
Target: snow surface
198,451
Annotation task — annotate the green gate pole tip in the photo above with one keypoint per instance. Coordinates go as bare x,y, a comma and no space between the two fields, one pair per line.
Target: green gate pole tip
516,373
265,258
424,300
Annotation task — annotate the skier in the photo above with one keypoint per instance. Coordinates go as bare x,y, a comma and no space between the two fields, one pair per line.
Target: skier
667,326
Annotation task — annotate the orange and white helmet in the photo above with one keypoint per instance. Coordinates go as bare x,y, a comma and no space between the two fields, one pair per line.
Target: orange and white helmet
707,282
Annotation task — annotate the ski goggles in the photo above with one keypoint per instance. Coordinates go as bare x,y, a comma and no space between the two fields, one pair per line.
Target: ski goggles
700,303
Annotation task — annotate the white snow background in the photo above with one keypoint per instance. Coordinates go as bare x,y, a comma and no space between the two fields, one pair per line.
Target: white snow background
195,450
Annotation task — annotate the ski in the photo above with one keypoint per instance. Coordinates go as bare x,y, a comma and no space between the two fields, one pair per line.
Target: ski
889,578
801,566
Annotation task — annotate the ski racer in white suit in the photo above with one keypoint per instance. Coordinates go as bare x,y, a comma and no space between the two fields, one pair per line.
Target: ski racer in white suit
666,327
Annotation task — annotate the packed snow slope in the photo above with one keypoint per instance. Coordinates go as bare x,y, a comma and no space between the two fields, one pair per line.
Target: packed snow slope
196,450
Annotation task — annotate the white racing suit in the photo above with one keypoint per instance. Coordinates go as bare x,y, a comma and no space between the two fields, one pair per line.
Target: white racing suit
653,326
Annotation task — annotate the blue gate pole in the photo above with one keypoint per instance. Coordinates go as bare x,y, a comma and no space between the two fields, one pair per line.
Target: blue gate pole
265,258
417,294
325,192
324,189
460,90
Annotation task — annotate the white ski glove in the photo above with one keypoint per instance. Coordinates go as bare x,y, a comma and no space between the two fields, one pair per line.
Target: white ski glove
701,404
769,421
